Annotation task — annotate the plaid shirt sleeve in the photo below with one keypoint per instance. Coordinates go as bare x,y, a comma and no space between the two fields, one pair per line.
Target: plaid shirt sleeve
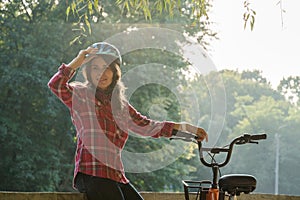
146,127
59,85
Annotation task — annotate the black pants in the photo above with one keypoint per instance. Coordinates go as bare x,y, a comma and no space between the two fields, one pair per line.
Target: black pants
97,188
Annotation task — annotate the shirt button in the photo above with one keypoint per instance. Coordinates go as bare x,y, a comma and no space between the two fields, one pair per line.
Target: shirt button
119,175
118,133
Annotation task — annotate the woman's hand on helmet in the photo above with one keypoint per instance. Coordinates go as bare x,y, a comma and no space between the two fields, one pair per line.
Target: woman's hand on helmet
82,57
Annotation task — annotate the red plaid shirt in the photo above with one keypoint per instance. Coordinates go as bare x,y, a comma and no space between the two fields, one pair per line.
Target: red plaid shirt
101,132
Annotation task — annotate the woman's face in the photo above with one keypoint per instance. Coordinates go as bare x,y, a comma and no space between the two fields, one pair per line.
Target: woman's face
101,74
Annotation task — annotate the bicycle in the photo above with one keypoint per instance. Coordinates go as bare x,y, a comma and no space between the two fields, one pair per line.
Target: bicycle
230,185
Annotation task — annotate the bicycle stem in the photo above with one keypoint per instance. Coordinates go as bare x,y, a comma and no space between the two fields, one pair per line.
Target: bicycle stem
215,170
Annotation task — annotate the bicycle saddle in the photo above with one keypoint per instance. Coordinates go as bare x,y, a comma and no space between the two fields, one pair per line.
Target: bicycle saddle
235,184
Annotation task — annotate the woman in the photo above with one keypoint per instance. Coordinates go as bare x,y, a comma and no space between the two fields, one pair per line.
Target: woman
102,117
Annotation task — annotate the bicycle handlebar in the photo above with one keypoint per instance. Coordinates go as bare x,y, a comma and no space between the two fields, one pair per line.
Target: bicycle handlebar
243,139
213,164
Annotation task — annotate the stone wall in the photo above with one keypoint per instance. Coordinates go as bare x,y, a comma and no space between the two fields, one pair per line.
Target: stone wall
146,195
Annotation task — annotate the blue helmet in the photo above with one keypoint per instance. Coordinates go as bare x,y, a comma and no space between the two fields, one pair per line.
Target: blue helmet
105,48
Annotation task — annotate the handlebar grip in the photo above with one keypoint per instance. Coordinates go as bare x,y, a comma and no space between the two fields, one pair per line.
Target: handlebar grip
218,150
258,137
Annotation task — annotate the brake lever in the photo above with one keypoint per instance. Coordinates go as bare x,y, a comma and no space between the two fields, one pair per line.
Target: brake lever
241,142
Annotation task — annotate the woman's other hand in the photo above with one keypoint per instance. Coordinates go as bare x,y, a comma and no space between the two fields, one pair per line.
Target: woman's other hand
190,129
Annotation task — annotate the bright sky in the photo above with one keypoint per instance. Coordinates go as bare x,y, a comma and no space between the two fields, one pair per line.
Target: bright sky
271,47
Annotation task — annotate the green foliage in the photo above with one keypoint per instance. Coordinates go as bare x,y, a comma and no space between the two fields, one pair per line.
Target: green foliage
290,87
254,107
249,15
36,137
190,16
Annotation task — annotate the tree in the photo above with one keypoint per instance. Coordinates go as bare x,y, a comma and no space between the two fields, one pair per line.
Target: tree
271,117
190,16
290,87
254,76
36,138
254,107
